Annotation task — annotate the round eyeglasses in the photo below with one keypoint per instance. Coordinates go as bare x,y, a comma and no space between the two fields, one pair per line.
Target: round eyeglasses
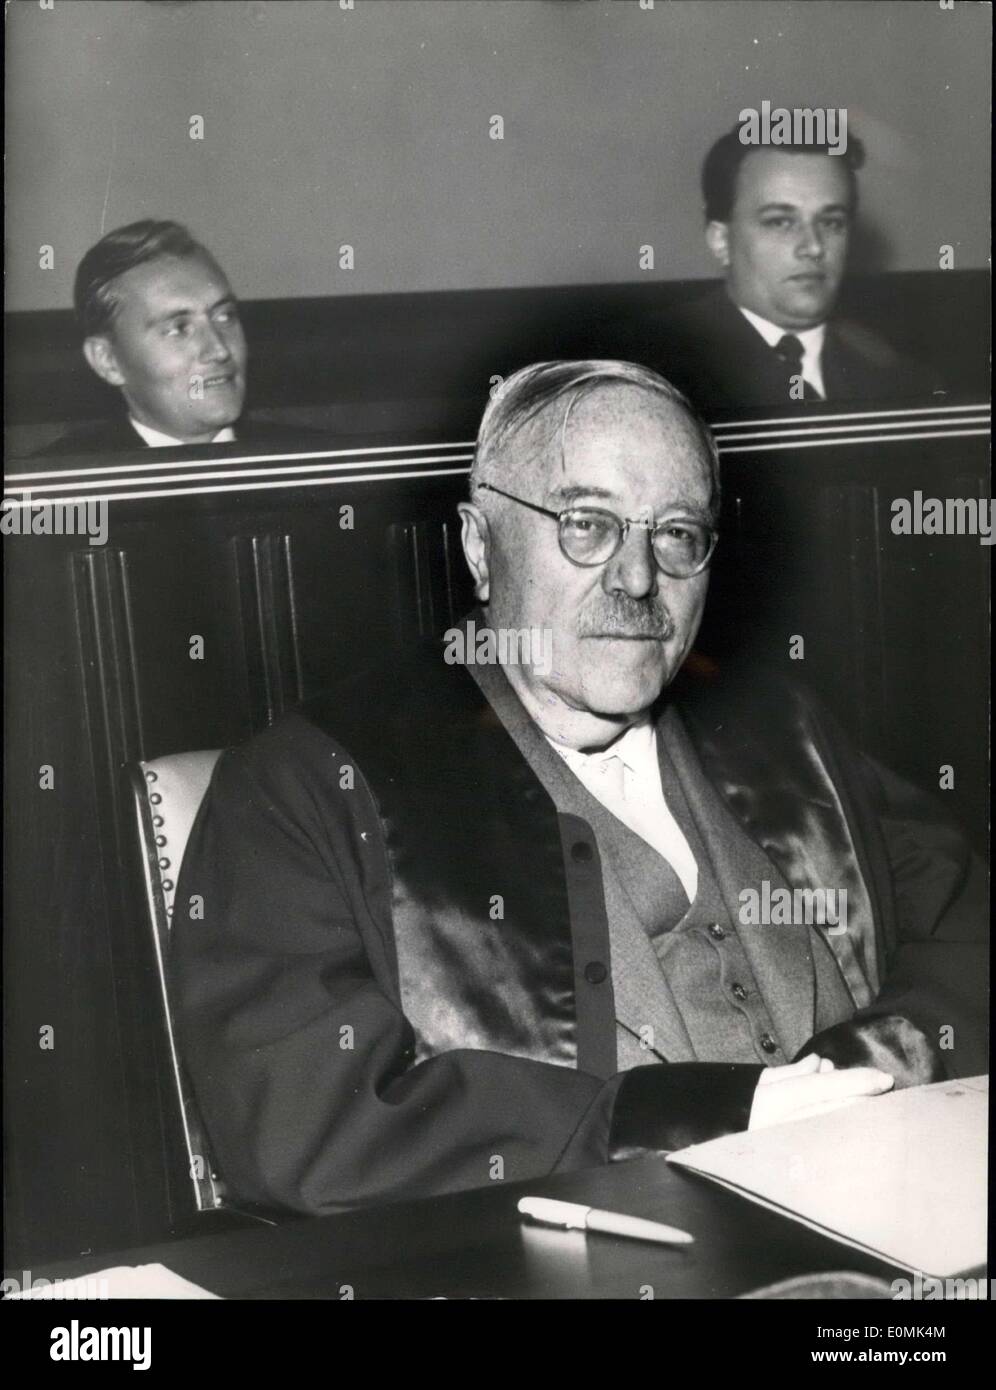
591,535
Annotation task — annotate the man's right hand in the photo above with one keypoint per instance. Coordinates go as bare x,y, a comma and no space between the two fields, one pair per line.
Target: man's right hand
811,1087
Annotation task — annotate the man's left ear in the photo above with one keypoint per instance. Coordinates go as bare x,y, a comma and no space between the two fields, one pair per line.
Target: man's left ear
100,356
475,539
717,237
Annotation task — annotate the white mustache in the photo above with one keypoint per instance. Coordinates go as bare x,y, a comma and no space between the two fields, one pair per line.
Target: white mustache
628,619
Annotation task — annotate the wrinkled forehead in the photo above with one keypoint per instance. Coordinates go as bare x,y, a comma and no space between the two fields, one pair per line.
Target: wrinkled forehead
626,440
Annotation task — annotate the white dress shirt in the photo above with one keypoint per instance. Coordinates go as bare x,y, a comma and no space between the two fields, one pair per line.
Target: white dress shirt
810,338
157,440
626,779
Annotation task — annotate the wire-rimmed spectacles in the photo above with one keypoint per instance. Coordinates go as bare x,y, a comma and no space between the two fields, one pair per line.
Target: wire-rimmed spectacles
591,535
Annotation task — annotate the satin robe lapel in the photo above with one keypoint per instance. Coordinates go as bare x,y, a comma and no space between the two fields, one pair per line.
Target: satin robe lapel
462,818
780,956
774,767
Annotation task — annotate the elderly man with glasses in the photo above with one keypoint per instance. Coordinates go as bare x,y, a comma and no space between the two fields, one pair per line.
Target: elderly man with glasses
466,921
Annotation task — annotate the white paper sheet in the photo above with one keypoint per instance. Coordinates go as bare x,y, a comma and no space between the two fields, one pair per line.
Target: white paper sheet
902,1176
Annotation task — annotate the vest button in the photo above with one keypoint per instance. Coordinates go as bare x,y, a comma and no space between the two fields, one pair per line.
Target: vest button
768,1043
738,992
595,972
582,852
716,931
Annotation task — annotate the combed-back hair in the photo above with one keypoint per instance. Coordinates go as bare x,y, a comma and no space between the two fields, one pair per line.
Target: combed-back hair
526,394
722,164
126,247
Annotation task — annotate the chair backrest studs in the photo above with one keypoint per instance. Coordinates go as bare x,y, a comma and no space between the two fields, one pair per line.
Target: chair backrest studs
181,780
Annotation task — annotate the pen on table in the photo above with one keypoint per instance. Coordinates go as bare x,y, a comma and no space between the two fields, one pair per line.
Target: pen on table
574,1216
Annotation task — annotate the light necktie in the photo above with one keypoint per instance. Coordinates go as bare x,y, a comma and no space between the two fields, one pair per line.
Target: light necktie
607,774
610,773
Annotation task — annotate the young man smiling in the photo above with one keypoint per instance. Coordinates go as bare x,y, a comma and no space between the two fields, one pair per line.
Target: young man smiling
161,324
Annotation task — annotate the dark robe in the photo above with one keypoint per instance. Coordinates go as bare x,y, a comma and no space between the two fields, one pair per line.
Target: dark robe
359,1022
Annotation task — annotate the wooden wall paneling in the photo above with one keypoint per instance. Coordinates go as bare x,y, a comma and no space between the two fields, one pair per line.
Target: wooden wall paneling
851,585
183,585
781,536
114,718
970,670
429,571
107,657
936,668
70,1179
264,571
413,607
340,592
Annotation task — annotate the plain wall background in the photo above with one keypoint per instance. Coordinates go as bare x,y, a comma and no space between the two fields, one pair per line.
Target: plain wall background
370,126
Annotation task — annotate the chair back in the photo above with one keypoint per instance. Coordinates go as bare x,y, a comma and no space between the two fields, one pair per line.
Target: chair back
166,795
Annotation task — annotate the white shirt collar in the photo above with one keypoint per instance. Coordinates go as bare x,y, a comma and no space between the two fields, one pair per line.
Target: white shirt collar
636,748
772,334
634,795
157,440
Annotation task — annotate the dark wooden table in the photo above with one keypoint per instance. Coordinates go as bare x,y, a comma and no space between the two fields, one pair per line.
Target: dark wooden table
475,1245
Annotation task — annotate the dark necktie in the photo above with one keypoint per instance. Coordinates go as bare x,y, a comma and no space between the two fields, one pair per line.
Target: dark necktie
789,350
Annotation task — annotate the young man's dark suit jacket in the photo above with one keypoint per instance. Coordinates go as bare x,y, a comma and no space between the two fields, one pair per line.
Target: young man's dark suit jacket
117,435
716,356
358,1024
